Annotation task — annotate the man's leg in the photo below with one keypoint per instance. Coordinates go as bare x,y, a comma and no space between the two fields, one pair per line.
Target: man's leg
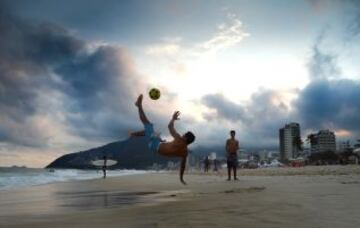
142,115
148,127
104,173
229,172
235,178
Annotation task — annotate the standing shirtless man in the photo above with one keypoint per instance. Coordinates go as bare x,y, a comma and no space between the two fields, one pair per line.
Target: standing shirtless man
176,148
232,145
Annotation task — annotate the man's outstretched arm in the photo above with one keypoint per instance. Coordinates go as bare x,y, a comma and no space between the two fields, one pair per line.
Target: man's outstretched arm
182,170
171,126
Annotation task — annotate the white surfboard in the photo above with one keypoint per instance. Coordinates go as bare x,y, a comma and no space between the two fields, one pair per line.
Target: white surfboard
100,162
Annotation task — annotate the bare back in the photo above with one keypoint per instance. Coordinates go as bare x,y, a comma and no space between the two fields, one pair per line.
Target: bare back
175,148
232,145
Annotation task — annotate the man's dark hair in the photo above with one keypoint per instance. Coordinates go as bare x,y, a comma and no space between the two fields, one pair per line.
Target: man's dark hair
190,137
232,132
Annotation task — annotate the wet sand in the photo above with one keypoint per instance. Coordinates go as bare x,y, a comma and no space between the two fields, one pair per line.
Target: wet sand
291,197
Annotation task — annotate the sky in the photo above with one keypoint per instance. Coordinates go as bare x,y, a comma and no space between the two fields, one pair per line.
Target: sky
70,71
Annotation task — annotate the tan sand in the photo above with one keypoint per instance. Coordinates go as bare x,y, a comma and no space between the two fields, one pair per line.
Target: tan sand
159,200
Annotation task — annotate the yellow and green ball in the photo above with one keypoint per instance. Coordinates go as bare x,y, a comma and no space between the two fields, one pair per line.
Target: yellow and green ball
154,93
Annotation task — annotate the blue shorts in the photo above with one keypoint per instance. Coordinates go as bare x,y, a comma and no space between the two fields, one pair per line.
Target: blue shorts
232,160
154,141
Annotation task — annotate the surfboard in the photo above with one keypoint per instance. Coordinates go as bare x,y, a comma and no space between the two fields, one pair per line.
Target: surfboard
100,162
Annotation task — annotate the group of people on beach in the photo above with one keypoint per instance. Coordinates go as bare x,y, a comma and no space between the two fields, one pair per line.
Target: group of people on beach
178,146
207,164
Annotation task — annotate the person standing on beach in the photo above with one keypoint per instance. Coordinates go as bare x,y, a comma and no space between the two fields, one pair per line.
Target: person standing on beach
176,148
206,164
104,167
231,147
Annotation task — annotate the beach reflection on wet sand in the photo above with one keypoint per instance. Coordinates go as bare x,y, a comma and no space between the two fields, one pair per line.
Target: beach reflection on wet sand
48,199
91,200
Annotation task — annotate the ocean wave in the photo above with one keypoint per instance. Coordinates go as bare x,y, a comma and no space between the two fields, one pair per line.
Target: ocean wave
14,178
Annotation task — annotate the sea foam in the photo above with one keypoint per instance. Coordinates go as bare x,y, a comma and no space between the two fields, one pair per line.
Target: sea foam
17,177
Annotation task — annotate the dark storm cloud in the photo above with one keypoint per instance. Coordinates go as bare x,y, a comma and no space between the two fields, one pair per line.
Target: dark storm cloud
262,116
93,82
101,84
22,74
224,108
267,112
330,104
329,101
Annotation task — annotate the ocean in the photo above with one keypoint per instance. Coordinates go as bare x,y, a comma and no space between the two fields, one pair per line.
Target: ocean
20,177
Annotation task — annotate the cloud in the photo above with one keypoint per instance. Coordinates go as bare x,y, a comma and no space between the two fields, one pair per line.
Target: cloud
267,112
224,108
337,42
322,65
330,104
168,49
228,35
24,73
329,100
99,88
353,23
56,88
262,116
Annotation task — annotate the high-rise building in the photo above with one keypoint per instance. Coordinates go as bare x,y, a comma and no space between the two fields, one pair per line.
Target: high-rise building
323,141
287,137
344,146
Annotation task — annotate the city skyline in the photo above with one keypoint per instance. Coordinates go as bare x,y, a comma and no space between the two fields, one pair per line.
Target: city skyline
70,71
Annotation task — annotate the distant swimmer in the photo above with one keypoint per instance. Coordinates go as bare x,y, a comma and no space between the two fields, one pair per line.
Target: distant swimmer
176,148
232,146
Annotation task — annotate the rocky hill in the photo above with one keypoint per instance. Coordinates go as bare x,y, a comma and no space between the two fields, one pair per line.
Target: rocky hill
131,153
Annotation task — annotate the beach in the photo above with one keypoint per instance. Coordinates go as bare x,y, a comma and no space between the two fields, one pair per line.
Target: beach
325,196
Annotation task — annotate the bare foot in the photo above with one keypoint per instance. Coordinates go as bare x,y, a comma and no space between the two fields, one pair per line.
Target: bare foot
139,100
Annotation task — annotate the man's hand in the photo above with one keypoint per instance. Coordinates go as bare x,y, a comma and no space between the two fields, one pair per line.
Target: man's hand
176,115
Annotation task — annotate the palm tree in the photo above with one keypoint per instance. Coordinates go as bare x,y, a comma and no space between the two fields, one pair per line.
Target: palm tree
311,138
298,143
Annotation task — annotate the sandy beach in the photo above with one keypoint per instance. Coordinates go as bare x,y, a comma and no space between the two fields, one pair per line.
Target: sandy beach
284,197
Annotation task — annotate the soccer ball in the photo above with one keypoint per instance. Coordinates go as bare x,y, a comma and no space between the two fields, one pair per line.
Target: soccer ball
154,93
